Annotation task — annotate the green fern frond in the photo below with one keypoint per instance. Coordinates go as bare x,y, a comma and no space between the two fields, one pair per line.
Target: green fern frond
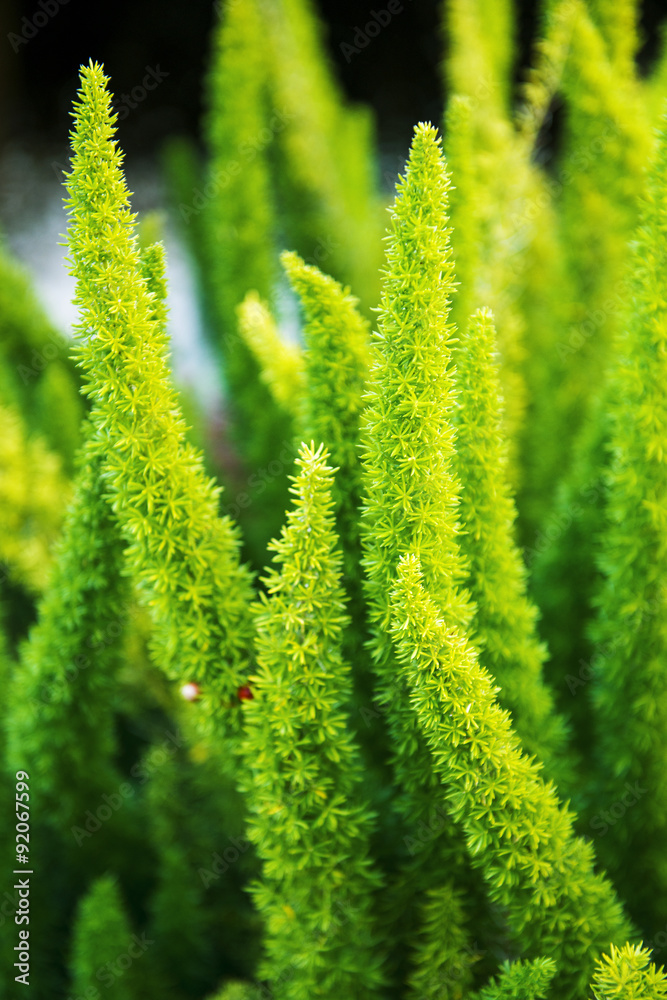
183,556
280,363
304,772
102,936
629,683
505,621
516,831
61,728
33,496
410,486
627,974
521,981
443,957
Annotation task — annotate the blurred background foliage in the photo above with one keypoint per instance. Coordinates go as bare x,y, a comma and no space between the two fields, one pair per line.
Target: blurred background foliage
554,217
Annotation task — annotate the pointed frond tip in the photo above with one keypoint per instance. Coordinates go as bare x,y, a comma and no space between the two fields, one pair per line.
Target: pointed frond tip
314,470
93,97
427,165
303,276
628,972
425,131
280,362
535,866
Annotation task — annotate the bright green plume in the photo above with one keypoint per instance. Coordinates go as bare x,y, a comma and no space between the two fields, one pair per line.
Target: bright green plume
33,496
183,556
627,974
309,823
102,936
62,723
410,486
629,685
521,981
516,831
280,363
505,621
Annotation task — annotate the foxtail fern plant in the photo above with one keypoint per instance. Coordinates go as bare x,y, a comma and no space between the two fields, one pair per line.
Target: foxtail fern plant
336,360
303,769
355,768
628,974
104,951
33,495
62,725
521,981
280,363
410,490
443,958
62,710
182,555
410,486
519,835
630,685
505,620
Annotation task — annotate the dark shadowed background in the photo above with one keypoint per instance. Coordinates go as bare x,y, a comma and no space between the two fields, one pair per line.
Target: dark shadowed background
44,42
397,73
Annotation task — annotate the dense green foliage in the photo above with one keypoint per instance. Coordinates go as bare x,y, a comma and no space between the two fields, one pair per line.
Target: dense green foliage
422,755
630,682
103,949
311,831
